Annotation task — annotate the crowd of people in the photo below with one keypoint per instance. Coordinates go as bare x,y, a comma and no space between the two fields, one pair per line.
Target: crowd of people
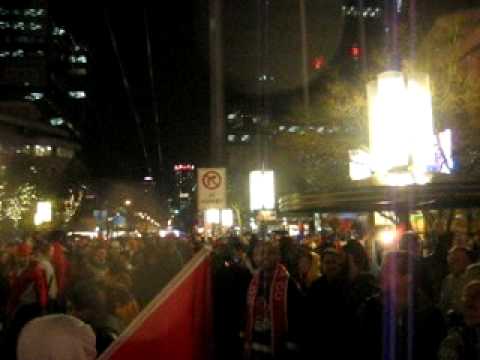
286,300
275,298
75,295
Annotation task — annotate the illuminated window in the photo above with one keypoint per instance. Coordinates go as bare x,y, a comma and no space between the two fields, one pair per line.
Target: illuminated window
231,138
245,138
57,121
3,11
34,96
35,26
19,25
4,53
41,150
282,127
18,53
65,153
293,129
58,31
81,59
77,94
4,25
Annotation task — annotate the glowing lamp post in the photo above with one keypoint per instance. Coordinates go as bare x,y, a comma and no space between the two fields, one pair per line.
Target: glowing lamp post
402,142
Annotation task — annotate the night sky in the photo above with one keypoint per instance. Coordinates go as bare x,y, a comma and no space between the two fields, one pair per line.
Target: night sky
178,35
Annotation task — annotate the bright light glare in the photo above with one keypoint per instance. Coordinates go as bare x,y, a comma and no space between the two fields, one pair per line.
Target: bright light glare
227,217
387,237
402,142
44,213
212,216
387,116
262,190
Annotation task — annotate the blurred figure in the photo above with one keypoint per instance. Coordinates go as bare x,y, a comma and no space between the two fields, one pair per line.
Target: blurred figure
88,301
28,296
402,316
410,243
452,286
326,309
308,270
98,262
43,254
56,337
462,341
273,305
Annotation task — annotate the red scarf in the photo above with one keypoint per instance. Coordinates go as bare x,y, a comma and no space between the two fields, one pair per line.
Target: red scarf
277,307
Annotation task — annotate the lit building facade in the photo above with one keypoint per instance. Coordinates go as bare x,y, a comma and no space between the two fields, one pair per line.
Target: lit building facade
41,63
181,205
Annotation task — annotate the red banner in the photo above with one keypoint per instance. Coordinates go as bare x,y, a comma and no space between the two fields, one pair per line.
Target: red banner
177,324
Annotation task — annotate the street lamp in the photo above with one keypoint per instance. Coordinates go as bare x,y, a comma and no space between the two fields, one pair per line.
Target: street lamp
128,202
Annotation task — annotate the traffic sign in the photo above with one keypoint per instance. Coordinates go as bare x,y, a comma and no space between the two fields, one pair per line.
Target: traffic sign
212,188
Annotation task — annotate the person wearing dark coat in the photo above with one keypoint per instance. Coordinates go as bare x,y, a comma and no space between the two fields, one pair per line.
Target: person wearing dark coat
401,322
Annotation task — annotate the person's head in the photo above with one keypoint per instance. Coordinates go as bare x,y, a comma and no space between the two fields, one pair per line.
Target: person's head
458,259
87,300
331,262
58,336
356,256
100,254
23,254
471,299
410,242
44,249
266,256
305,262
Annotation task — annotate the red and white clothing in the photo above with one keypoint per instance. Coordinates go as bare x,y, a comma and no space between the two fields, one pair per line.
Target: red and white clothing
28,286
267,330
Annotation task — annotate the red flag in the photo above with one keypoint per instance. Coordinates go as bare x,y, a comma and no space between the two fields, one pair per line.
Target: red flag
177,324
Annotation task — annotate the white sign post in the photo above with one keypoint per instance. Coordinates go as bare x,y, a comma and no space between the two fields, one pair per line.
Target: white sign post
212,188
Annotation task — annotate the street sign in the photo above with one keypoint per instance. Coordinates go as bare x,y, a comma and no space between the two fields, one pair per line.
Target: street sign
212,189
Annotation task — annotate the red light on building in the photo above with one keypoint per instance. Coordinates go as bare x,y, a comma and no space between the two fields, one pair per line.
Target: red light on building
319,62
355,52
184,167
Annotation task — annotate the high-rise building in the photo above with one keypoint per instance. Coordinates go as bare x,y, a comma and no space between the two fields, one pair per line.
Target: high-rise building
184,185
181,206
42,63
43,74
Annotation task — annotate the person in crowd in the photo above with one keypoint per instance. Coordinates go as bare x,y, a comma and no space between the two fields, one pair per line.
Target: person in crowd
60,262
462,342
361,283
436,263
326,309
118,272
273,305
87,301
28,297
122,304
145,285
230,283
56,337
170,261
43,254
308,270
410,242
452,287
401,322
98,265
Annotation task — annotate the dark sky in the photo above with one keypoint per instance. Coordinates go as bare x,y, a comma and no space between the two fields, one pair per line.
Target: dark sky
178,38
